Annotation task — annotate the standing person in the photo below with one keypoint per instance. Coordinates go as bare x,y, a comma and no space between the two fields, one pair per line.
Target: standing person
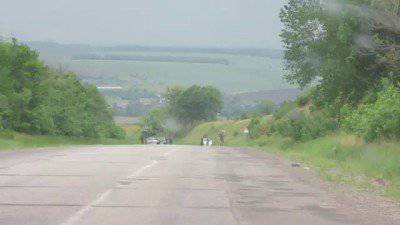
222,137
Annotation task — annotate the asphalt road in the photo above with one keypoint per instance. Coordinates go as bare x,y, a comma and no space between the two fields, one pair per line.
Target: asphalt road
157,185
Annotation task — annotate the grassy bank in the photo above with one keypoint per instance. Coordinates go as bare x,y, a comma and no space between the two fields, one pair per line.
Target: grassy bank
13,140
337,157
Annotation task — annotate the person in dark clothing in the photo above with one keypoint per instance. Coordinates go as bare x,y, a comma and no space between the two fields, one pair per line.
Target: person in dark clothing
221,136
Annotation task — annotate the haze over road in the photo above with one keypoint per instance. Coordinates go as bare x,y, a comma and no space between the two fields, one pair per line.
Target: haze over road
160,185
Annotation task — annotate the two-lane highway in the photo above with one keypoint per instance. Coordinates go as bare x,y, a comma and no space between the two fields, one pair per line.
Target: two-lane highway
158,185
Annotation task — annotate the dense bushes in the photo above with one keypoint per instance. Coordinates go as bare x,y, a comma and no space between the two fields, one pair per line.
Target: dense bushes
284,109
295,120
300,126
379,119
254,128
304,98
37,100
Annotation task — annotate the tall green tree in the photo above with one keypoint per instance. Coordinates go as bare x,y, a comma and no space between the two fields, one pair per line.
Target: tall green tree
194,103
345,48
36,99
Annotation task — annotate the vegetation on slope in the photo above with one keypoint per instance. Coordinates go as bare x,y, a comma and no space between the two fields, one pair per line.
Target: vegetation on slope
346,47
37,100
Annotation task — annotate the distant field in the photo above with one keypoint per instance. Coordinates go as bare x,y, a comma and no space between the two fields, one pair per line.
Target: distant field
237,73
147,67
150,58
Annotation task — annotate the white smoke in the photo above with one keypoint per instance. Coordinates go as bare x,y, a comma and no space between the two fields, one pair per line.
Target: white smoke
173,125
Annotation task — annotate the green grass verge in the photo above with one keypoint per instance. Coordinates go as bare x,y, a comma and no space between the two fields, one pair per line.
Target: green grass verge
12,140
338,157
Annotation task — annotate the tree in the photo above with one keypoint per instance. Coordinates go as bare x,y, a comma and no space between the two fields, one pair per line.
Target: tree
153,123
38,100
194,103
341,47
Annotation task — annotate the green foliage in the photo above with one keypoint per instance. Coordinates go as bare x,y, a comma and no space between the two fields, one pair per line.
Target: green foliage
304,98
194,103
302,127
153,123
37,100
284,109
379,119
254,128
184,108
347,47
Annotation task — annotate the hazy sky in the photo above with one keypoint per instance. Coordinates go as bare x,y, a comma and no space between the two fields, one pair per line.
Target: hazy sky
206,23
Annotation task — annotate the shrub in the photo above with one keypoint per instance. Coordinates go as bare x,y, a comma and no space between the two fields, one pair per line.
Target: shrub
254,128
380,119
284,109
304,98
301,127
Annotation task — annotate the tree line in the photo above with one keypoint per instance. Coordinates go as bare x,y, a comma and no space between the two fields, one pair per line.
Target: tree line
38,100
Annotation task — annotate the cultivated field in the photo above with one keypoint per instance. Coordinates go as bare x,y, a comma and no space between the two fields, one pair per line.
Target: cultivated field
241,73
231,70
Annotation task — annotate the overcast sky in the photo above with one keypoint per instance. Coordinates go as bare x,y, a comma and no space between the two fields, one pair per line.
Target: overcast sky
200,23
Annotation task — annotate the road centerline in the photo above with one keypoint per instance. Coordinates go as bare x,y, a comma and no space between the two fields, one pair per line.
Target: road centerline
85,210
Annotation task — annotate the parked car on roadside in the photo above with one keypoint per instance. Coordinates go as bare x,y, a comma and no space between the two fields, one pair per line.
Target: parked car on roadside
162,141
151,141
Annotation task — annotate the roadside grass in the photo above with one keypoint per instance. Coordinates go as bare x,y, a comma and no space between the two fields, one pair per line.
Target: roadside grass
347,159
13,140
338,157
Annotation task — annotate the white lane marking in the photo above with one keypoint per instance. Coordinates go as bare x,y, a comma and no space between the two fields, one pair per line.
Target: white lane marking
82,212
85,210
139,171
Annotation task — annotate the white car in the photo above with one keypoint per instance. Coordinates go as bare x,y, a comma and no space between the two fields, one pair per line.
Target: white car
162,141
151,141
207,142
